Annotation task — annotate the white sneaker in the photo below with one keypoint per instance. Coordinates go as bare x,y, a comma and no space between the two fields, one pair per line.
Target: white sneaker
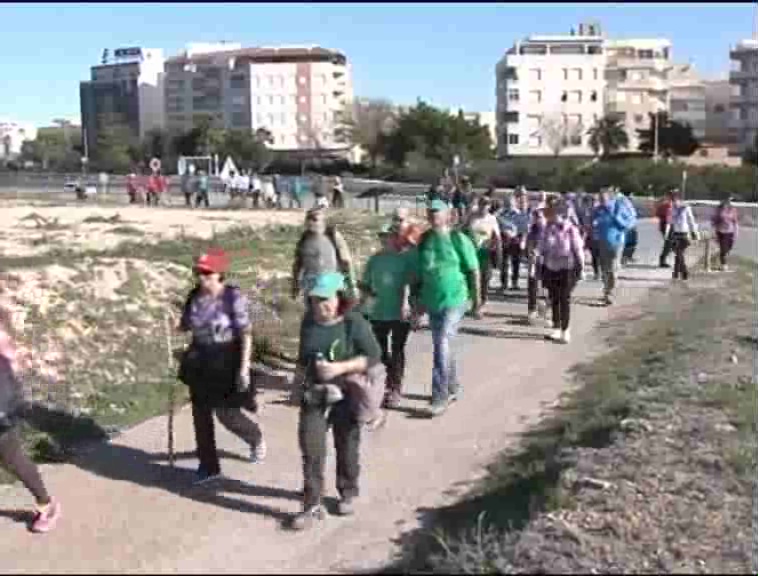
554,335
566,336
258,452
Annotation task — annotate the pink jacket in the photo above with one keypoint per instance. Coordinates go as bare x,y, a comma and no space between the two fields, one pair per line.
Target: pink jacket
561,246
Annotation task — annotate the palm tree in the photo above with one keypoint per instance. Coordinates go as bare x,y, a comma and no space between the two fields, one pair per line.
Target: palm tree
608,135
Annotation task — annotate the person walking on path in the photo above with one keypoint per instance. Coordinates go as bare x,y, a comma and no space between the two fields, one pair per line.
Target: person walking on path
562,253
338,193
585,221
663,214
535,274
631,237
186,186
334,343
386,293
514,226
725,223
13,457
610,220
202,196
321,249
216,366
447,277
682,231
484,230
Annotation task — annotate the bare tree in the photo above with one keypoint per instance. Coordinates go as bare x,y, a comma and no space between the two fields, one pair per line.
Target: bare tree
364,123
559,133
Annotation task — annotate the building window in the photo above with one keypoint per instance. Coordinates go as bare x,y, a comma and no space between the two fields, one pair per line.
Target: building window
510,73
719,109
238,119
595,74
535,96
513,139
283,118
565,73
535,74
271,100
259,100
281,81
236,82
594,49
577,74
323,98
535,141
270,119
510,117
302,99
513,95
564,96
270,80
622,75
593,96
645,54
257,81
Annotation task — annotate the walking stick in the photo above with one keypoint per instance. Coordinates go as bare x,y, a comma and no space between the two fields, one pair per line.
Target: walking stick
171,389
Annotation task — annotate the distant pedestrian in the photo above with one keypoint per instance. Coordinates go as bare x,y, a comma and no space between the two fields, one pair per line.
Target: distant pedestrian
585,221
514,226
13,457
663,214
132,184
186,185
338,193
562,253
535,272
335,343
683,231
203,185
725,223
484,231
610,220
447,281
631,236
216,367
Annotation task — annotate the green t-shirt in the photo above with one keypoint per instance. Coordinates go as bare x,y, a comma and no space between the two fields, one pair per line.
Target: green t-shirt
332,340
442,260
385,276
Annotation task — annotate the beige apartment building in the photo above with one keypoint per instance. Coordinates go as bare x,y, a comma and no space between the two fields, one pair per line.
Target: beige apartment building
637,72
295,93
743,79
717,99
549,92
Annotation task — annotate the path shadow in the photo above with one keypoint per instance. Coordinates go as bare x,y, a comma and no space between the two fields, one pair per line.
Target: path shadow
413,412
151,470
589,302
511,296
641,279
18,516
504,334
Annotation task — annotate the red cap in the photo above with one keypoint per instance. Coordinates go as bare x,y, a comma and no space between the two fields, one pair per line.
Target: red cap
214,260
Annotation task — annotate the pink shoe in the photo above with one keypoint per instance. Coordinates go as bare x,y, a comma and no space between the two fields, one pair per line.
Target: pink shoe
46,517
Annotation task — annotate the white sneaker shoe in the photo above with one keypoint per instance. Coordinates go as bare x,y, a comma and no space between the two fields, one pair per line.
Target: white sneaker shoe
566,336
554,335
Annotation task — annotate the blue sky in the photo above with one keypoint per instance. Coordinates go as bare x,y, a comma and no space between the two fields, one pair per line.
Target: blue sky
444,53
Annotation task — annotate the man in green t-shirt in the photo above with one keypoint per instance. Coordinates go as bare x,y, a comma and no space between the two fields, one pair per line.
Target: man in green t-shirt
447,276
386,290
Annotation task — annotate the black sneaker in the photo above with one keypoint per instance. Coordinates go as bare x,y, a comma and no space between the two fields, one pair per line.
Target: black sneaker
204,477
307,518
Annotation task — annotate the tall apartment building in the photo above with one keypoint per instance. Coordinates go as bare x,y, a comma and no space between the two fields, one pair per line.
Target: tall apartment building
546,83
687,98
125,89
717,98
295,93
743,79
637,82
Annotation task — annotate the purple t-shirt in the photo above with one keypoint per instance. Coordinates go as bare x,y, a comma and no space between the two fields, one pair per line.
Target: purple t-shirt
211,318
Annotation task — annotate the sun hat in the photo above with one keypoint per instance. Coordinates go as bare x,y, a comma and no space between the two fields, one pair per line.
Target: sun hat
214,261
327,285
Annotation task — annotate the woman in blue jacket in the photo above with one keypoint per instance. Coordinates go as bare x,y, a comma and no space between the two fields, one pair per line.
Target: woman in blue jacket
611,219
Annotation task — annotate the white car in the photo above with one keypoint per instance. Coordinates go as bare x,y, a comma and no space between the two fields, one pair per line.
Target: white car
71,186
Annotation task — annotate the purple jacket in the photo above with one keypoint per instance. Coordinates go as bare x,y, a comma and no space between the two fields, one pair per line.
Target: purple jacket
561,246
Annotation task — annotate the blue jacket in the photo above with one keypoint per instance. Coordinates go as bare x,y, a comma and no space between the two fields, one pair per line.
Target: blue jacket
628,206
610,223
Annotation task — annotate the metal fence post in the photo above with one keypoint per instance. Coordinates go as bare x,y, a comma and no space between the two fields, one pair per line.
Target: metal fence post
707,251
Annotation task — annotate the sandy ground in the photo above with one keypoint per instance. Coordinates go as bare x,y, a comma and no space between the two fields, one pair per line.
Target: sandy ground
127,511
23,234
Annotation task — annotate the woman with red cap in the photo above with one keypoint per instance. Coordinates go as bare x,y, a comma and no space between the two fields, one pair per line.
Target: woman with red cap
216,366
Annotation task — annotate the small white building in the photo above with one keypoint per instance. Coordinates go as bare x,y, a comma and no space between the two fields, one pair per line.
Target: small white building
12,136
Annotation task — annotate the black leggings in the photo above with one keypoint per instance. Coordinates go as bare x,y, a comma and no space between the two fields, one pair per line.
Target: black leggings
726,243
680,243
15,460
393,356
559,286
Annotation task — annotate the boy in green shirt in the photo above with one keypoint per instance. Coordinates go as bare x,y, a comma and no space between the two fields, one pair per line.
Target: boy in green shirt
386,289
447,273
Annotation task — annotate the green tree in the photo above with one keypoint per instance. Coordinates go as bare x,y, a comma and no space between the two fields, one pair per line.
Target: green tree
117,149
608,136
54,149
674,138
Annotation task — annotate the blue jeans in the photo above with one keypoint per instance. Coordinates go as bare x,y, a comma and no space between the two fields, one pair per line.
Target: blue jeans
444,325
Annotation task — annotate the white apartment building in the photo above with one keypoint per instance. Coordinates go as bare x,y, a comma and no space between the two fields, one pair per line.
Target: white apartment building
550,91
12,136
293,92
637,74
743,79
125,88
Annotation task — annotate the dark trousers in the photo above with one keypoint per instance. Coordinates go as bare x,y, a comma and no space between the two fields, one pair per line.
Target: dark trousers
205,432
188,199
726,243
630,246
667,245
511,259
559,286
202,198
393,354
680,244
532,289
14,459
312,431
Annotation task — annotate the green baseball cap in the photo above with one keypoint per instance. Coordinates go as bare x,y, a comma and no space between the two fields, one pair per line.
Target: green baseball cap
438,205
327,285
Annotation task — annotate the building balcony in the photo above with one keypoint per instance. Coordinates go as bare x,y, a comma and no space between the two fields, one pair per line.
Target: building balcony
625,62
650,84
739,76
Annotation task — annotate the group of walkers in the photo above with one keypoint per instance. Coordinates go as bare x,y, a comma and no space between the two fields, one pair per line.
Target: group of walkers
354,332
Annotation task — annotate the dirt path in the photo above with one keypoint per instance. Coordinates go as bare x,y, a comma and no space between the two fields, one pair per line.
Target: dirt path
126,511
